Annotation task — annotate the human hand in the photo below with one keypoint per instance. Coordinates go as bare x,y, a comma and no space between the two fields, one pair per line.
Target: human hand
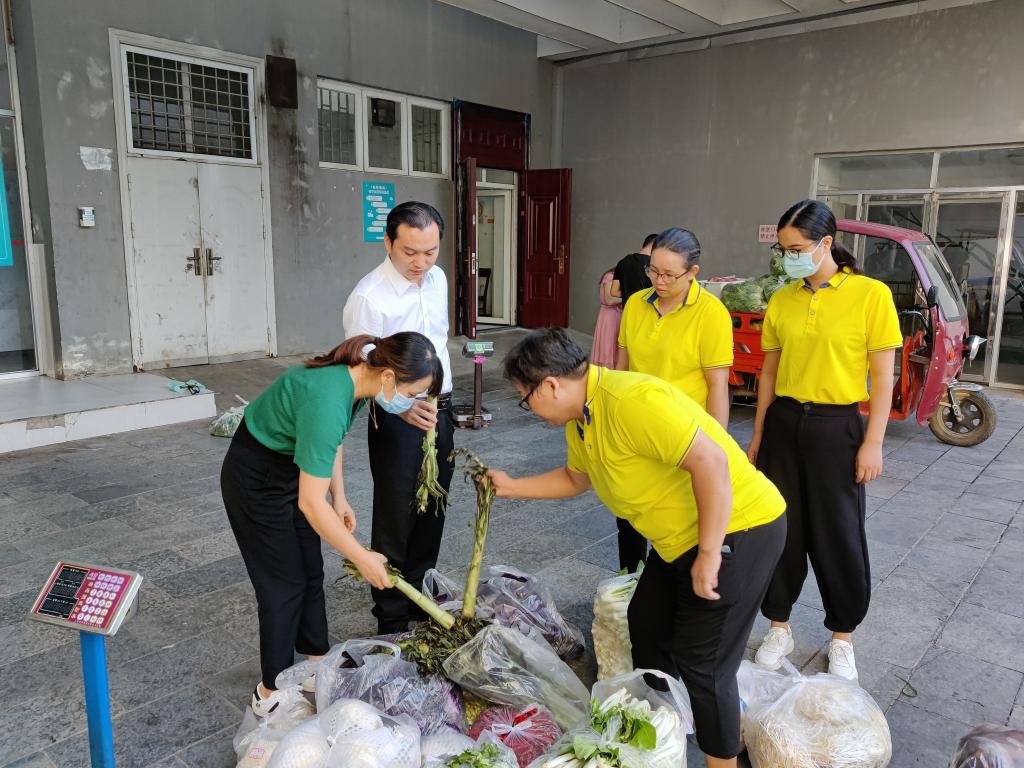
501,483
345,513
705,574
371,567
869,462
753,448
422,415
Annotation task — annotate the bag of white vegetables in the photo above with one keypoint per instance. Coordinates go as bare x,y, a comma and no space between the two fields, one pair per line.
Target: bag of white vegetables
258,737
612,646
486,752
507,667
759,687
822,721
350,734
631,725
515,599
990,746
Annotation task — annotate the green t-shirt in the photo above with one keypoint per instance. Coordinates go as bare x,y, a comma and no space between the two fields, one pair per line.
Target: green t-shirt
305,414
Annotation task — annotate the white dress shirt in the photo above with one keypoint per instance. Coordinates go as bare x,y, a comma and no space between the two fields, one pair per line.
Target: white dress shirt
384,303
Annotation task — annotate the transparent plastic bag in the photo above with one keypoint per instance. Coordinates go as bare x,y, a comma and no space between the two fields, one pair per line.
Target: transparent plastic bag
258,737
822,720
227,423
990,746
507,667
395,743
305,746
759,687
438,747
486,751
515,599
610,630
528,732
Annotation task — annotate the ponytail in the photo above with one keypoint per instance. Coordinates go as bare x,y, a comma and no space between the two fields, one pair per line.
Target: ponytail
409,354
816,221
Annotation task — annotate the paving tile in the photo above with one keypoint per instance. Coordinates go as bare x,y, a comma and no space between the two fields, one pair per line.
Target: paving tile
985,508
926,454
986,634
999,488
895,528
921,739
809,633
156,565
205,578
902,470
998,591
950,469
37,724
979,534
85,514
1008,554
214,751
885,487
948,560
208,549
15,608
1007,467
964,688
885,557
25,638
37,760
603,553
55,545
11,555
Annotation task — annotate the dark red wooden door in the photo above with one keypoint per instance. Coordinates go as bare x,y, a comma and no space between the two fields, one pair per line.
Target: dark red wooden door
465,251
546,207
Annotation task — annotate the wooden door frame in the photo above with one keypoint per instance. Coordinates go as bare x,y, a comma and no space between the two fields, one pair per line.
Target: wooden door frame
120,38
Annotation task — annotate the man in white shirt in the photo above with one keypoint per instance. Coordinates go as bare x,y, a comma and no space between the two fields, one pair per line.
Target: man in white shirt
407,292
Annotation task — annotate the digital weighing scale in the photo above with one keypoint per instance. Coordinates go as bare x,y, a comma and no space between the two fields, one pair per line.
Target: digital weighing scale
475,416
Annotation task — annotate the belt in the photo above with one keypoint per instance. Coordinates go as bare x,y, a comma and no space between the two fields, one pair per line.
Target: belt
444,401
819,409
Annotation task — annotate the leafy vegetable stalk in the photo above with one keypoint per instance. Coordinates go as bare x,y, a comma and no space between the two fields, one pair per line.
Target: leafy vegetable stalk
476,471
428,483
432,609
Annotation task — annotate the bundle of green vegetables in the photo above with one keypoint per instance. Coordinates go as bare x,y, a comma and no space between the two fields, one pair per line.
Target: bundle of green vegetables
486,755
428,485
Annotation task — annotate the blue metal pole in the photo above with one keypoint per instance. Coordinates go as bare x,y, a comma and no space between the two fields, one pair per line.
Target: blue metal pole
97,699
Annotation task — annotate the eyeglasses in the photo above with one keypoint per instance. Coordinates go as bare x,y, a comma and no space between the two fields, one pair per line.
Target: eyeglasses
525,402
779,252
665,277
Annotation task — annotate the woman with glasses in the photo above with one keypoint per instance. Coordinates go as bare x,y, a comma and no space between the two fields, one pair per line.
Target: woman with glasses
658,460
676,330
822,336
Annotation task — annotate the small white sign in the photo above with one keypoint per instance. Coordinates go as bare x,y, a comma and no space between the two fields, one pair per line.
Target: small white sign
767,233
86,216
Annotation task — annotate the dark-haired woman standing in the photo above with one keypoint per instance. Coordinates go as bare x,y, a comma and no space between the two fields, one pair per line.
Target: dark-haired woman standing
822,336
283,460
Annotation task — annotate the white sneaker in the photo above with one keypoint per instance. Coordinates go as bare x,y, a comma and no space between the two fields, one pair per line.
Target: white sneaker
308,684
776,646
841,661
261,707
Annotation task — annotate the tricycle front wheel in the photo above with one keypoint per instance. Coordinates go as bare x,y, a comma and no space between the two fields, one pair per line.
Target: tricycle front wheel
976,426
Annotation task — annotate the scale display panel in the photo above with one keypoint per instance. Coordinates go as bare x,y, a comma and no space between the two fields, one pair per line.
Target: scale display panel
87,598
478,348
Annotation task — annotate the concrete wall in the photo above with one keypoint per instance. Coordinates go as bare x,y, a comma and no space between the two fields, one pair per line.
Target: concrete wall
723,139
412,46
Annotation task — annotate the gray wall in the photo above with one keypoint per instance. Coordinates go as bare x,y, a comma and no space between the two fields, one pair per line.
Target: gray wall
412,46
723,139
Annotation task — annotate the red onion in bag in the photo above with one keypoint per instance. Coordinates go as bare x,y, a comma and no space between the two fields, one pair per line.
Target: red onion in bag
528,732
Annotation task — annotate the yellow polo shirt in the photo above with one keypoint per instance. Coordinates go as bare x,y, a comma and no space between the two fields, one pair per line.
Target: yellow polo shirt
636,432
825,337
680,345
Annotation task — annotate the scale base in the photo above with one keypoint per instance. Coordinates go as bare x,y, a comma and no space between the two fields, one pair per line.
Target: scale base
466,418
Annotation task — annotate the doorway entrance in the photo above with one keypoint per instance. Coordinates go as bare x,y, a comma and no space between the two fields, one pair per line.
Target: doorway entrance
496,246
198,254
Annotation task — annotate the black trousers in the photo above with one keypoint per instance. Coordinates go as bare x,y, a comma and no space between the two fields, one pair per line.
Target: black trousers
703,641
632,546
408,539
280,549
809,451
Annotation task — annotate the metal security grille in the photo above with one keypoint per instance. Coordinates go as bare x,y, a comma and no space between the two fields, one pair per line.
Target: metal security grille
181,106
337,118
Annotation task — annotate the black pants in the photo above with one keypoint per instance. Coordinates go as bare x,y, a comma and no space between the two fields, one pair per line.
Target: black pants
810,451
632,546
703,641
280,549
408,539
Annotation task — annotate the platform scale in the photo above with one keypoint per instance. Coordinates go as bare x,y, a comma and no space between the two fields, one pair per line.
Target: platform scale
95,601
475,416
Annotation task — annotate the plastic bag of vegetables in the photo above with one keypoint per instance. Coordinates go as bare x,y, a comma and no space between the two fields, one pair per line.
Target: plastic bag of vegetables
227,423
610,630
507,667
487,752
631,725
990,746
822,720
438,747
515,599
258,737
771,285
759,687
747,296
528,732
775,265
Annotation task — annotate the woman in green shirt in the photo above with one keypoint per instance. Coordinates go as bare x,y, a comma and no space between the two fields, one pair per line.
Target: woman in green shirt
283,460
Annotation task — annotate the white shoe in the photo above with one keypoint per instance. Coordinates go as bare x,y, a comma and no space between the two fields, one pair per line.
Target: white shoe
776,646
308,684
841,661
263,706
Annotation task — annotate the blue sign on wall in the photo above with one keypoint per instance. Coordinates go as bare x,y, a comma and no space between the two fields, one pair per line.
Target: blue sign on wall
6,252
378,200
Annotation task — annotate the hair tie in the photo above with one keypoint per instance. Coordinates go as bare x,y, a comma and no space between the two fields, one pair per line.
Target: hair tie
376,341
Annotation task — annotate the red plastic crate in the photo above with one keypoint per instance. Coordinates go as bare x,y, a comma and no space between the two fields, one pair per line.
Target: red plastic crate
746,341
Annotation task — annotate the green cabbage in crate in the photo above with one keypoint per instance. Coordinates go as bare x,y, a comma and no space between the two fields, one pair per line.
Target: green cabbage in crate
775,265
770,285
747,296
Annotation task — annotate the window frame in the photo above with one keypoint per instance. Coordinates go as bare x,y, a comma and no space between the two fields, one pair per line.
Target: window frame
130,148
445,109
403,141
356,93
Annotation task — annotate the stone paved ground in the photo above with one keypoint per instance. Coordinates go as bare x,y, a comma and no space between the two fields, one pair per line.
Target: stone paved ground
946,531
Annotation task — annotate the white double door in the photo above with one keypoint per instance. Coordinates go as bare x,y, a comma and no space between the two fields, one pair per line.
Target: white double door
200,262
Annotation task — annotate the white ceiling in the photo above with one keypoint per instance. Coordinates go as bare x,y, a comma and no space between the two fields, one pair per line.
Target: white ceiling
568,29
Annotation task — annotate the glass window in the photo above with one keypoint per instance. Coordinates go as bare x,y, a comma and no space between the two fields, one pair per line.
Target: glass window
495,176
427,139
910,171
982,168
336,116
6,101
17,344
1011,343
888,261
384,147
950,301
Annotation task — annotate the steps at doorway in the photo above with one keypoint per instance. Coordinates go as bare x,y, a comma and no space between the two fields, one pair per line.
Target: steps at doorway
41,411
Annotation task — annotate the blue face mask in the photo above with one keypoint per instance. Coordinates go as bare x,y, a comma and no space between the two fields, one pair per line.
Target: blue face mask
798,264
398,404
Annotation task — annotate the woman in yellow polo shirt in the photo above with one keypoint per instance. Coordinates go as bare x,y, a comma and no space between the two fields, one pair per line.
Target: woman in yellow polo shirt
676,330
658,460
822,336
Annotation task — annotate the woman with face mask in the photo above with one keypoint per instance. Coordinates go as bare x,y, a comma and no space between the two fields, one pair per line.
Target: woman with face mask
284,460
822,336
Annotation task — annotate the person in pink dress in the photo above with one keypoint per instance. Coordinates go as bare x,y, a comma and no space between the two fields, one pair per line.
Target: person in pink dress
606,332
